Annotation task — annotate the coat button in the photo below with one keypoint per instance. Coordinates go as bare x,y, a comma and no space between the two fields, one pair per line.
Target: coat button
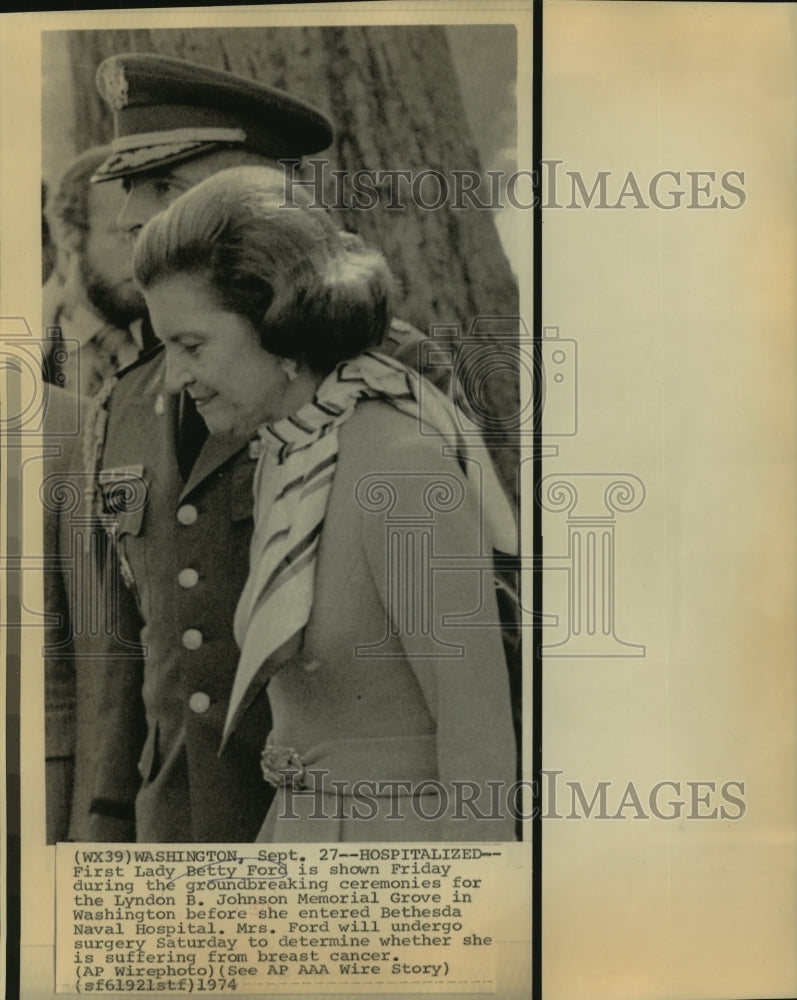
187,514
199,702
192,638
188,578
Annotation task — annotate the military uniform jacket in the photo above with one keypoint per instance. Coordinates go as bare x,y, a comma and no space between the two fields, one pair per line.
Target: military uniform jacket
183,549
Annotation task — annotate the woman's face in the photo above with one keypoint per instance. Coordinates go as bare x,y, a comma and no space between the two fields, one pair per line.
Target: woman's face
214,355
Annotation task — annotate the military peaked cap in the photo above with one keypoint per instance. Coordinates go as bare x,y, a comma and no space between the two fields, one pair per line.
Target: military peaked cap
167,110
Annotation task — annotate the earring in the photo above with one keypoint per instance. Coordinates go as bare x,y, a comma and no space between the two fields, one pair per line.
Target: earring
288,365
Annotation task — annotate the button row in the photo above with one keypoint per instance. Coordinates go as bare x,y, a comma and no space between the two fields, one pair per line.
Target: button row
199,702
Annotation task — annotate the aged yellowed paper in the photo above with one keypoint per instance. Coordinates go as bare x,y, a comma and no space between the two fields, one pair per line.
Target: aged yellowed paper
667,192
130,917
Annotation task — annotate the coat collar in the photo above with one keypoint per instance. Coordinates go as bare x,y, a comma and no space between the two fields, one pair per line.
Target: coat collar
215,452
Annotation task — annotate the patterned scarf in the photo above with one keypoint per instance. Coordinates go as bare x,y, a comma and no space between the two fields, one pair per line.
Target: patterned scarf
292,482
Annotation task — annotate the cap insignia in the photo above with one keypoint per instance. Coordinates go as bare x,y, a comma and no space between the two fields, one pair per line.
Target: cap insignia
114,84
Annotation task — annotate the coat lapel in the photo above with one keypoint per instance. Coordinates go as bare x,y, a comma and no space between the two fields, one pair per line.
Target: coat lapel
215,452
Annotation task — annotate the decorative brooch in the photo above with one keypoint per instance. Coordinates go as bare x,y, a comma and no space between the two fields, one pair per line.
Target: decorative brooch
282,766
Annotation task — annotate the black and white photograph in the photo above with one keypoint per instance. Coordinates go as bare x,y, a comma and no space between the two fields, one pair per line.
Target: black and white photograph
269,631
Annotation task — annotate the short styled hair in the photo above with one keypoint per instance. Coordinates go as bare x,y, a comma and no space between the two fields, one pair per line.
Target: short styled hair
313,292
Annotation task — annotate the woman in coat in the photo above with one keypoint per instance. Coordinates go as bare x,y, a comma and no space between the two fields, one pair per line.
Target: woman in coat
369,610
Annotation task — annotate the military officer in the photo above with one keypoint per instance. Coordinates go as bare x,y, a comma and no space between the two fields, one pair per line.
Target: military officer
179,502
